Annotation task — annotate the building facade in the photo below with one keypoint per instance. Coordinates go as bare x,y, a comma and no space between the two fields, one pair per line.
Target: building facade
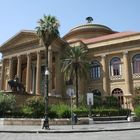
114,56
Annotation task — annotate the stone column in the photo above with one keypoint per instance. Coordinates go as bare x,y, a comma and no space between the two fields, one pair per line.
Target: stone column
34,80
10,68
104,74
38,72
28,73
50,68
126,72
127,78
2,75
19,67
58,75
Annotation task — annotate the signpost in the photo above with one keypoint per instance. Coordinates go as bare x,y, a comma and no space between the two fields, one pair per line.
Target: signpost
70,93
90,102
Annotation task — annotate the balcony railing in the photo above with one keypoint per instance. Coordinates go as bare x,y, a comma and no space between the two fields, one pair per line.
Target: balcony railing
136,75
116,77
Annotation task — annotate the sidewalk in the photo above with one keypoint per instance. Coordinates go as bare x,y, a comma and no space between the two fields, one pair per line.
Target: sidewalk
71,129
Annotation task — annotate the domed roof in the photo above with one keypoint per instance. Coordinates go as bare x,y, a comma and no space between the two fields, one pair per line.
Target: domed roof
91,26
88,30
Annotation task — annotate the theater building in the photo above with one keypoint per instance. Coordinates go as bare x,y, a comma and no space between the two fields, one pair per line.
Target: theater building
115,59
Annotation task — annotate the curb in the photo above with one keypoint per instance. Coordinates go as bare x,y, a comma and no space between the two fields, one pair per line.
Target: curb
68,131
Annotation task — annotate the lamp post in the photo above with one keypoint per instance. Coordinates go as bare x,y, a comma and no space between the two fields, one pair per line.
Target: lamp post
70,93
46,121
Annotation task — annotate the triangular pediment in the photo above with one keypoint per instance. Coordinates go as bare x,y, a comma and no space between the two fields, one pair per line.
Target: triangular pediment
20,38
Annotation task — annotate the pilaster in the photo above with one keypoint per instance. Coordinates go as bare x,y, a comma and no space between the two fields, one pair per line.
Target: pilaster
104,74
126,73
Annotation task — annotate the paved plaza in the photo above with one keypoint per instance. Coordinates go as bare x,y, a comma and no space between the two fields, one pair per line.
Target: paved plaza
115,135
69,129
108,131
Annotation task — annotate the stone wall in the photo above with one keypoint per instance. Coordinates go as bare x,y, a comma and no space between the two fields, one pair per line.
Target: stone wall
21,98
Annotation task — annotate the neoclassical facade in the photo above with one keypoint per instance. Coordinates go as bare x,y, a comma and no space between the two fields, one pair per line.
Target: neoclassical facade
114,56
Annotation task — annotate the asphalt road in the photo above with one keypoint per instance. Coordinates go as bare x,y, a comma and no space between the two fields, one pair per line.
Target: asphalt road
115,135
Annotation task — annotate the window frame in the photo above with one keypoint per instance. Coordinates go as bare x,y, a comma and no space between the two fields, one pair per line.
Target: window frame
95,71
115,67
135,64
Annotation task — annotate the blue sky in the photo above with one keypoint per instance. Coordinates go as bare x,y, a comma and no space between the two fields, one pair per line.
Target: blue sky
120,15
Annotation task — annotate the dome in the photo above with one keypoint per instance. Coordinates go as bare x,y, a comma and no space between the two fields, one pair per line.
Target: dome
87,31
91,26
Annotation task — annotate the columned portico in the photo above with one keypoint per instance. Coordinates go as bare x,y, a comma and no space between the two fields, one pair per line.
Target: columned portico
28,73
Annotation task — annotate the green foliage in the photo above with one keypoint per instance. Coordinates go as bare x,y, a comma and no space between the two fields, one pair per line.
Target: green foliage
47,30
61,111
34,107
110,112
100,102
81,111
75,65
136,100
137,111
27,111
97,101
7,104
136,97
111,101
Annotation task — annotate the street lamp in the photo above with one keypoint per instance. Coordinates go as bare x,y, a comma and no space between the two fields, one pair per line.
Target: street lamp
46,120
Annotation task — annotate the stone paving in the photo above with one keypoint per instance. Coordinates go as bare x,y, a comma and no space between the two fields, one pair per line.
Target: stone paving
70,128
115,135
108,131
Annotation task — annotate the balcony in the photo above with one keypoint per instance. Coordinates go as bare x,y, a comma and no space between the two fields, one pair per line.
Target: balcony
136,75
116,77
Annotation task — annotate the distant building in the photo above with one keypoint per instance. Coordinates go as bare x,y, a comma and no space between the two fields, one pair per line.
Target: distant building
115,59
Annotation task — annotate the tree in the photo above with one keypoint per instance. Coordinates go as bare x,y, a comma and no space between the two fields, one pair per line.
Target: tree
47,31
75,64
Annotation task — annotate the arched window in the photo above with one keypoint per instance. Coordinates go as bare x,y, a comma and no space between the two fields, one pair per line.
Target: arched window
95,71
115,66
136,63
117,92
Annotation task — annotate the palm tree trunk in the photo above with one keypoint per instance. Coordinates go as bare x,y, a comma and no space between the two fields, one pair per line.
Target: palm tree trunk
76,82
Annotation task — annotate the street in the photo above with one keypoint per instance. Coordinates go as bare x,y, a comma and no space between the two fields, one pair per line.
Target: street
115,135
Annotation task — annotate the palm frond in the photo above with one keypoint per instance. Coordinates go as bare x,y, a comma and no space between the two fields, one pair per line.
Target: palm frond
47,29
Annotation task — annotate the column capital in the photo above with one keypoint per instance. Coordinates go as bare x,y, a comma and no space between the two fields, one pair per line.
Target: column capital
10,58
103,55
18,56
28,54
38,51
125,52
50,48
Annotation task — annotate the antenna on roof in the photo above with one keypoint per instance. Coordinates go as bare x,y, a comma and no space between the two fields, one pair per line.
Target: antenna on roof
89,19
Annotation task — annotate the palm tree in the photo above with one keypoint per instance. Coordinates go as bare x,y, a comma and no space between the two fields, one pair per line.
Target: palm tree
47,32
75,64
